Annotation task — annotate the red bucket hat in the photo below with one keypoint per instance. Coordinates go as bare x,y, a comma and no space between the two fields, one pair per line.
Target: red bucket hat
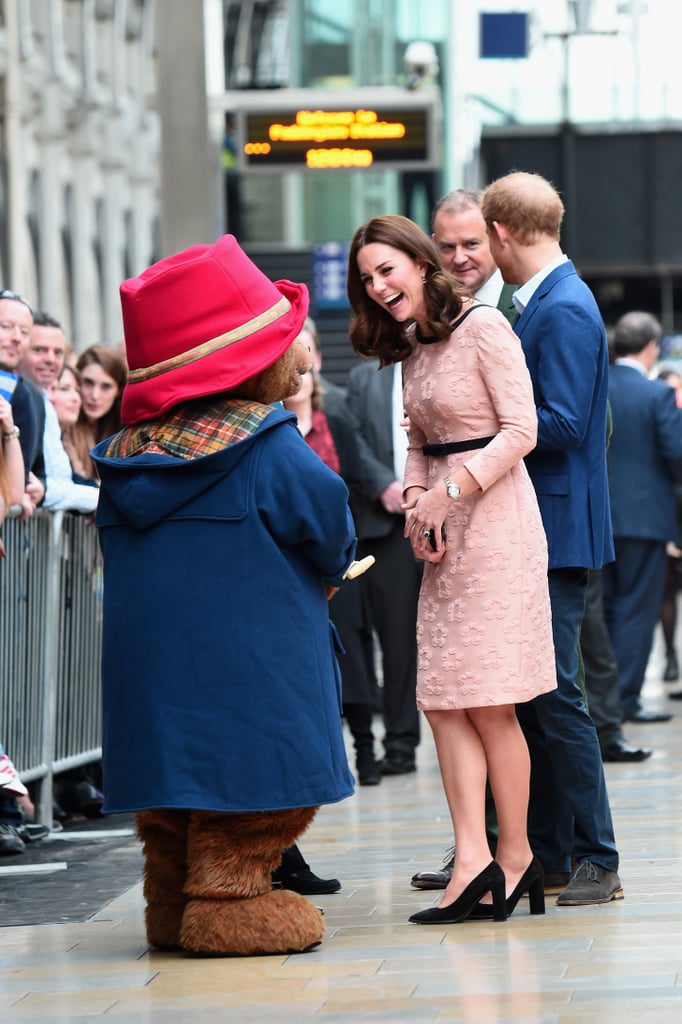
200,322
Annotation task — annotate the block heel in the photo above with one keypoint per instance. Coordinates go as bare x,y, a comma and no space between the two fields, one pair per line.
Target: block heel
536,893
532,881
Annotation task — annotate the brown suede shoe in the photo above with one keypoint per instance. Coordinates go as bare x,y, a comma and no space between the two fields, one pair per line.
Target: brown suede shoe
590,884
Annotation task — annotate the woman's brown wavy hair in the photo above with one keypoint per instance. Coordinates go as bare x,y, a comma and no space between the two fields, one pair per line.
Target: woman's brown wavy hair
113,364
373,331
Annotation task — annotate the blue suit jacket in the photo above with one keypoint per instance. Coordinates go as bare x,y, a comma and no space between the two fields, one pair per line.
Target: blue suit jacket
564,341
645,455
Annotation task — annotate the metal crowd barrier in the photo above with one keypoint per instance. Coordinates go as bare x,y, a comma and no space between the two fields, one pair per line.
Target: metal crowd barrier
50,646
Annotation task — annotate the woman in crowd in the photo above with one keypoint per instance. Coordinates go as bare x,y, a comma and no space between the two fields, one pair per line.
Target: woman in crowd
65,395
484,625
103,377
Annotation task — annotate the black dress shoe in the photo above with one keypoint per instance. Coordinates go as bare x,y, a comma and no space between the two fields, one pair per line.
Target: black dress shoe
370,776
439,879
491,879
305,882
294,874
397,766
435,879
647,717
369,772
621,750
672,670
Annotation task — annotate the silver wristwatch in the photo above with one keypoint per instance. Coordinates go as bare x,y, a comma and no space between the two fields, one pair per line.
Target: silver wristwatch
452,488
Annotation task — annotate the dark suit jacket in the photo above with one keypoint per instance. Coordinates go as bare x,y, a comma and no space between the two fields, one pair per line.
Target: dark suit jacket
369,396
334,396
28,410
644,457
564,341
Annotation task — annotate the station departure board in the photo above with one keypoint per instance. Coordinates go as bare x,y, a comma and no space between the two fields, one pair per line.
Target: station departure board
338,137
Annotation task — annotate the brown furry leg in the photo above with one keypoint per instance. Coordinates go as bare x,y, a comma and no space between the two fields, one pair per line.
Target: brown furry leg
164,842
231,908
277,922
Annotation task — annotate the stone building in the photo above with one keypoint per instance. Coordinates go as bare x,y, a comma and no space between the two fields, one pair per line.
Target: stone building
79,165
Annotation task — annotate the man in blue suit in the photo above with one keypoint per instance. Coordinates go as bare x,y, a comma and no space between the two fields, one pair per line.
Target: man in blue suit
564,342
644,463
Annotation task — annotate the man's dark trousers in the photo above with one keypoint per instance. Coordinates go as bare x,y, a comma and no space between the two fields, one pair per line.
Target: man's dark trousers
565,755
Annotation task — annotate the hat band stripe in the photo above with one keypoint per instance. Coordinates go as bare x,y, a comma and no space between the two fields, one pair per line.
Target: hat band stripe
207,348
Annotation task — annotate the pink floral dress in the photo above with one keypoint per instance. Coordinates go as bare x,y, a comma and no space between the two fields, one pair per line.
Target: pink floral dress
484,621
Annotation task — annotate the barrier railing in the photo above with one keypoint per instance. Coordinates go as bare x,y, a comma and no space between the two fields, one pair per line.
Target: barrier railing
50,646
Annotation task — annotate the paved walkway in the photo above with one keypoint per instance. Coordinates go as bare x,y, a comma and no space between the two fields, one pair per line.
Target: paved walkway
618,963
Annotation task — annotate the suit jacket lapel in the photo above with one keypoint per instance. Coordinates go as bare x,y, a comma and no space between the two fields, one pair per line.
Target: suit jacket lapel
563,270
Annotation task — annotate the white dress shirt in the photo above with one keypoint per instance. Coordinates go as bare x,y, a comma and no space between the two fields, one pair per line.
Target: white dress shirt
61,492
492,289
524,294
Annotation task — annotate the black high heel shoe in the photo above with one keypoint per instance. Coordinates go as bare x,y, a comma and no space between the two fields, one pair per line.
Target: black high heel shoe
491,879
532,881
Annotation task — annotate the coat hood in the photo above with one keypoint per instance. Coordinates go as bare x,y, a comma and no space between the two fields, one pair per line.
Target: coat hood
145,489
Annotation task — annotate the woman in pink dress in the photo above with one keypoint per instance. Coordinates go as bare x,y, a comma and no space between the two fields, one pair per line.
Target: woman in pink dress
484,623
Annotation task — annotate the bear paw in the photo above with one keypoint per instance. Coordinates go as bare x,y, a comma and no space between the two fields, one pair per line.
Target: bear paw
276,922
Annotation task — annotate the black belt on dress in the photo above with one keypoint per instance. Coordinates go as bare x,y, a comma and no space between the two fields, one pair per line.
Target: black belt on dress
450,447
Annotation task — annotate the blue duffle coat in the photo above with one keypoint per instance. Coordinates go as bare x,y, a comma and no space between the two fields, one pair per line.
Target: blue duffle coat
221,690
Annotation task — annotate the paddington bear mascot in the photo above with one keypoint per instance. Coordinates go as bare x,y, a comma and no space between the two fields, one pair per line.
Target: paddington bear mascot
222,535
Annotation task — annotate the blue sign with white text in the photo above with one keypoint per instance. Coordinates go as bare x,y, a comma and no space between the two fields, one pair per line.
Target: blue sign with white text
330,266
504,35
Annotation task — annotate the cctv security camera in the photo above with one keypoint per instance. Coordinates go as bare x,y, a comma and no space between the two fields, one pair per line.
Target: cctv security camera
421,61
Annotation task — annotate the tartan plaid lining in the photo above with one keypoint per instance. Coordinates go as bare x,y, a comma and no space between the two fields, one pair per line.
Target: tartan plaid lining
195,428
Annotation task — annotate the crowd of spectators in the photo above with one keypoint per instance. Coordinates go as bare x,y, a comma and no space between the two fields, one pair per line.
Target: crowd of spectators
52,411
